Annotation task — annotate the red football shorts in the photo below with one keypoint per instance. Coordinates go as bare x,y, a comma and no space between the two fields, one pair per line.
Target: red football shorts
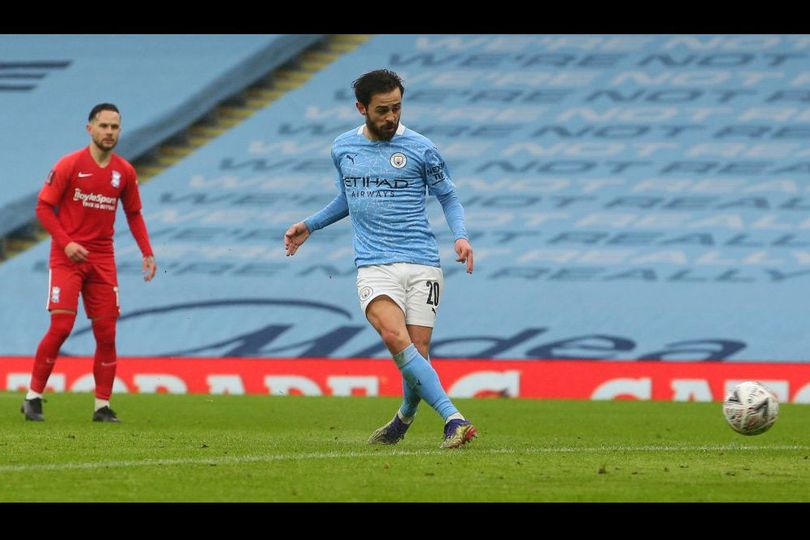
96,280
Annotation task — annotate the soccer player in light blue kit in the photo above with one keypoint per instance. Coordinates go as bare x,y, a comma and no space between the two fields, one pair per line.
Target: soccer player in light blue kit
384,173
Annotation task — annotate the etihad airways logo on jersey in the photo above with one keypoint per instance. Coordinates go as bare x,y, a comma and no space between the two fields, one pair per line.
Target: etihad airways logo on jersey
368,182
94,200
365,186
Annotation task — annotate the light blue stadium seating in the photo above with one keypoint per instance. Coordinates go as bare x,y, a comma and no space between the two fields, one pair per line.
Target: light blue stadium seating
628,197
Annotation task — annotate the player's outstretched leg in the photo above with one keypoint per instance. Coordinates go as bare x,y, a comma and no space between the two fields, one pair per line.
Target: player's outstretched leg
425,382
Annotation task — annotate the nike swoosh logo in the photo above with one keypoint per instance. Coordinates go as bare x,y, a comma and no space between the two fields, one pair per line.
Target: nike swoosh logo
83,175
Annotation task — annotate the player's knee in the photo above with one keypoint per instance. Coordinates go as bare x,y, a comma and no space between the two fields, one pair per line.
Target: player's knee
104,331
62,325
394,336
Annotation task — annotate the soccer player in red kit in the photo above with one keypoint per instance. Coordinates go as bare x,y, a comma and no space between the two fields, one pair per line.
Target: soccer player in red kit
77,207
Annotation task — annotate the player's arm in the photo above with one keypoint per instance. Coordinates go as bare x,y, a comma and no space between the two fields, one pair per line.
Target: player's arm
454,214
49,197
137,226
46,214
439,184
336,210
131,200
298,233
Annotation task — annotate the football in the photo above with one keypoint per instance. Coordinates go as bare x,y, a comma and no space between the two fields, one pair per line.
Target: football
750,408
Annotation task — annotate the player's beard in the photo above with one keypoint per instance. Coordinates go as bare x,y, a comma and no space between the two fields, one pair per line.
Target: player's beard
379,134
105,147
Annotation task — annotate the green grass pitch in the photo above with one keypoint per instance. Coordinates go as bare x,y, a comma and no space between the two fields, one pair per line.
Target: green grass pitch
190,448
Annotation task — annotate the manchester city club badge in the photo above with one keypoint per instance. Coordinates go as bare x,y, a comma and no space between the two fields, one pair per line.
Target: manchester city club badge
398,160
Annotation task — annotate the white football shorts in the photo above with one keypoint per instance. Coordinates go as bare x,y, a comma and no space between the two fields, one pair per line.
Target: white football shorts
415,288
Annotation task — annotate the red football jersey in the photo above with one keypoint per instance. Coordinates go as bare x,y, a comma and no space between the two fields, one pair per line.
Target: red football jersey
87,197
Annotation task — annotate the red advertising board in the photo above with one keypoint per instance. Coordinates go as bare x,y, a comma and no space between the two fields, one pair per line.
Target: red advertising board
549,379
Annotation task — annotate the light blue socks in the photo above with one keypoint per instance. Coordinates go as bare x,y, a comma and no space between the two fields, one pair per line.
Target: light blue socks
421,379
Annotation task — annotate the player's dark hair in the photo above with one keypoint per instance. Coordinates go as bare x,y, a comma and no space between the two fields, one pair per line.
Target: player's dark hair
379,81
101,107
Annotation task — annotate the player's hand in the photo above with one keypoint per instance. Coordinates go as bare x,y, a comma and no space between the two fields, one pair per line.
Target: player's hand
294,237
149,268
465,253
76,252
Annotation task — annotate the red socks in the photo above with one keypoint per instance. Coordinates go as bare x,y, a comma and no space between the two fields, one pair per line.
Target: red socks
48,350
106,358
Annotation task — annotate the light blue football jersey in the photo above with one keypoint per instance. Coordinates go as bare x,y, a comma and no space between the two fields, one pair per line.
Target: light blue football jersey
383,186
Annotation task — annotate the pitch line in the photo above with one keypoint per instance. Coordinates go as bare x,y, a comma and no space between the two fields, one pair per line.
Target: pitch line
236,460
